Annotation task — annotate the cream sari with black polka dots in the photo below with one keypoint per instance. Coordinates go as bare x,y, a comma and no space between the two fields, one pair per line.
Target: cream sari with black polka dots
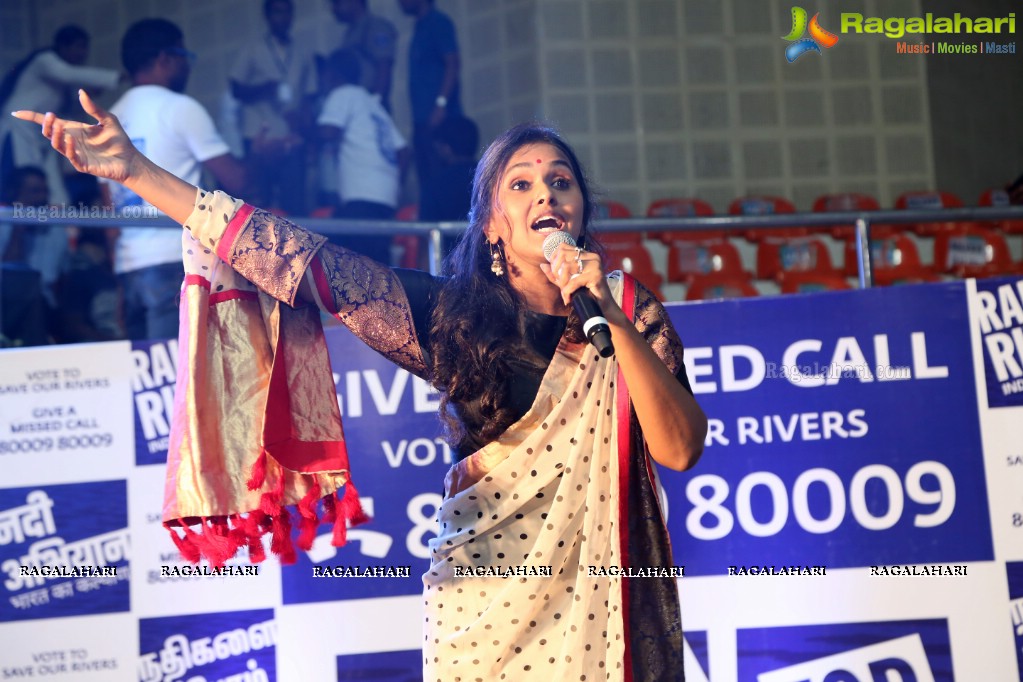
544,495
565,487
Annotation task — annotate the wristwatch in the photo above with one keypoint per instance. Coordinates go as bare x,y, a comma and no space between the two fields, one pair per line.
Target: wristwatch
441,101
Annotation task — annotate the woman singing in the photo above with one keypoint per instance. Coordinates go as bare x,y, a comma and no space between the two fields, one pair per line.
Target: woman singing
554,441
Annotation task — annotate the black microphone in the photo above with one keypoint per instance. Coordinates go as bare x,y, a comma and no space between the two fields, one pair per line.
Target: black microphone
595,325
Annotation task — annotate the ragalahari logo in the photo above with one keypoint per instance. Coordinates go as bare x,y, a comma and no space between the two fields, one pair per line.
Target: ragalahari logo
818,36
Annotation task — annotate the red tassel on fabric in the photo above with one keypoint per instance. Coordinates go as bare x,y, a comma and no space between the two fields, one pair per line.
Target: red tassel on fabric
350,512
196,540
309,521
340,535
219,545
258,476
280,540
329,509
236,523
256,525
272,501
217,539
351,507
186,547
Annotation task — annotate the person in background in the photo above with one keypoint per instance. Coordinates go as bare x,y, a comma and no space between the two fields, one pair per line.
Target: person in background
42,82
274,79
177,133
88,293
433,78
375,41
455,143
371,153
1015,191
25,313
42,247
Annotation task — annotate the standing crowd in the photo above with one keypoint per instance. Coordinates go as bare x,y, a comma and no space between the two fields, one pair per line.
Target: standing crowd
296,132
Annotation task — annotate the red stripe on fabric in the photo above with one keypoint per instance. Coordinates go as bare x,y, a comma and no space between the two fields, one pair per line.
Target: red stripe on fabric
234,226
310,458
278,426
220,296
231,295
624,408
197,280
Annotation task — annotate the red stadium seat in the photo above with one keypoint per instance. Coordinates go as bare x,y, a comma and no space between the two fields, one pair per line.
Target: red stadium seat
612,209
607,209
409,243
777,259
678,208
973,251
849,201
766,205
687,260
634,259
683,208
999,197
718,285
625,238
893,260
929,200
845,201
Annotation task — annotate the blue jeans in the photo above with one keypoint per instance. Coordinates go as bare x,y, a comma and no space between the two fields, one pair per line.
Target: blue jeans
151,301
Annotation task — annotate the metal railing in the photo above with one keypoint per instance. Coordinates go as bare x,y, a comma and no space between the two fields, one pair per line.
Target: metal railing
433,232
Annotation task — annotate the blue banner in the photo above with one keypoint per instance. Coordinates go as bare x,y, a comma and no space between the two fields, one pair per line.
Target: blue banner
210,646
1014,572
383,666
1000,308
839,437
865,652
696,640
154,376
64,550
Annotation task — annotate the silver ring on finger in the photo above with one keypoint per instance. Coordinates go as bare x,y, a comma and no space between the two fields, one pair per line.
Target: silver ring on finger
581,264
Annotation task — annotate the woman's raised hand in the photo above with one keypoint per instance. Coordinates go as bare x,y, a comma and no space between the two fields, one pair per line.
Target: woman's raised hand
102,149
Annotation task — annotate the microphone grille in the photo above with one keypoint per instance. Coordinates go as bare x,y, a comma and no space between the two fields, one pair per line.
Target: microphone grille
553,241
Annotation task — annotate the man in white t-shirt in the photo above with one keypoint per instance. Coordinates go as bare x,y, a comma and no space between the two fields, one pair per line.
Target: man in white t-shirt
177,133
371,152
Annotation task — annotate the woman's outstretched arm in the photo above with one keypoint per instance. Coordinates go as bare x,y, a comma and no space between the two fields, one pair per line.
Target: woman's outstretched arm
103,149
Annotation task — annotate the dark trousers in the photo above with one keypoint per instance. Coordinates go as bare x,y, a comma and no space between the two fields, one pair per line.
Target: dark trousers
23,310
151,297
425,159
278,180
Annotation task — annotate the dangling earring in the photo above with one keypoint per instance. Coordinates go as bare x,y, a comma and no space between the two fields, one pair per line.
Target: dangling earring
496,260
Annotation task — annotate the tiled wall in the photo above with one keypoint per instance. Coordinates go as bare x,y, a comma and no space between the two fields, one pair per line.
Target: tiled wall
694,98
660,97
975,105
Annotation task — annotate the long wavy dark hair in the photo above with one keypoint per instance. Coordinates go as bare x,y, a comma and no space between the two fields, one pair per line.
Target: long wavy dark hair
478,327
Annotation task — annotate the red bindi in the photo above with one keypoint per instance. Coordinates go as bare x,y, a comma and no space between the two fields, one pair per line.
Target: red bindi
538,160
